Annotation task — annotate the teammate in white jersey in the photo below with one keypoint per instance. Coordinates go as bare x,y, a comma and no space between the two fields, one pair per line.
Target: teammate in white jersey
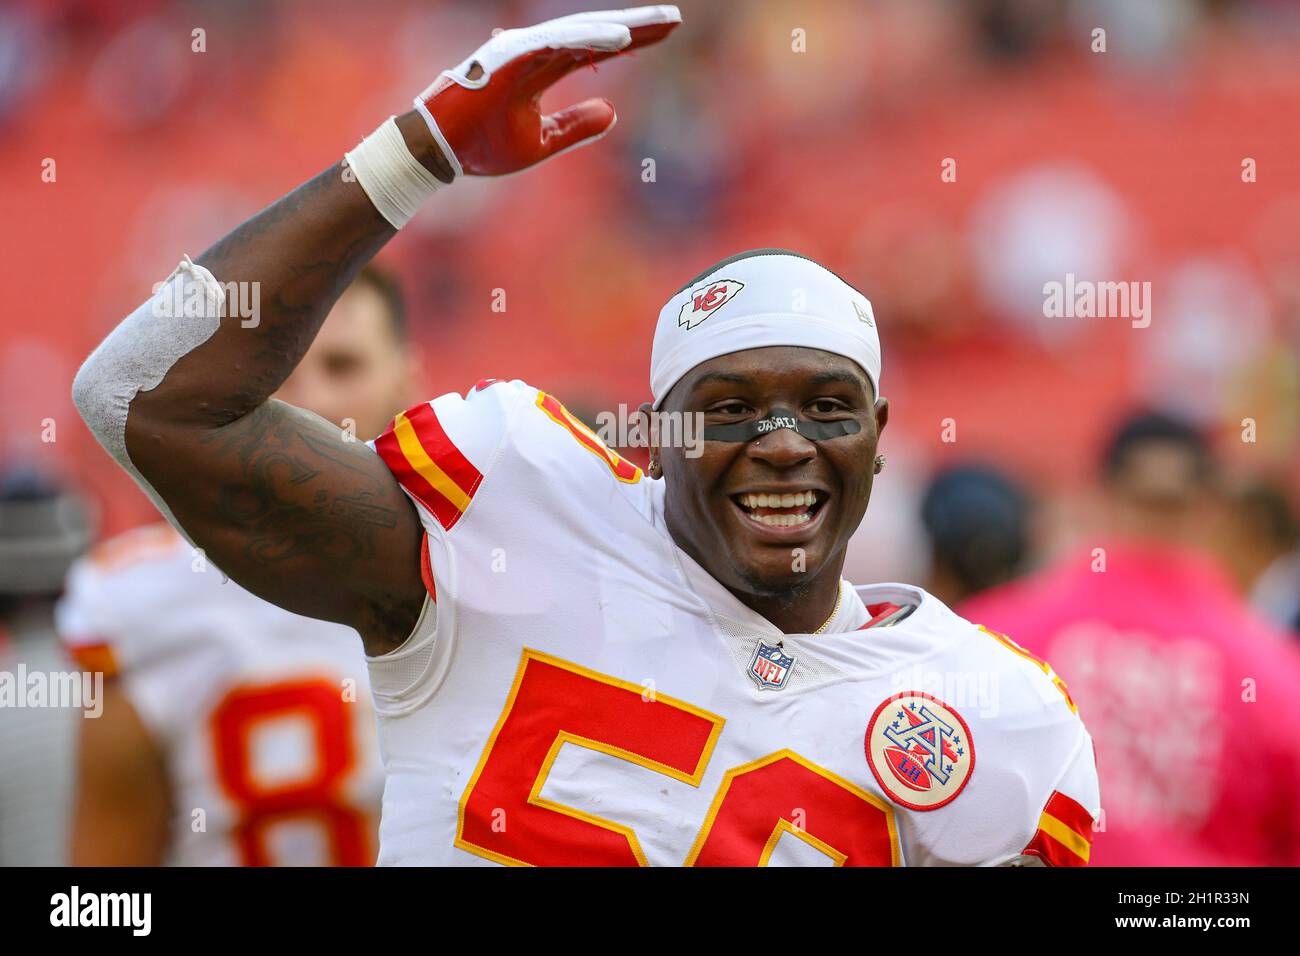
575,663
234,732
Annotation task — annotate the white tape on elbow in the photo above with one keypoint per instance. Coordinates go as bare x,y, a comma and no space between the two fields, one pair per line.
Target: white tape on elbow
182,315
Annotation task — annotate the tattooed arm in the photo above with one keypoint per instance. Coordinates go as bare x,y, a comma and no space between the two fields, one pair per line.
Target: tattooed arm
273,494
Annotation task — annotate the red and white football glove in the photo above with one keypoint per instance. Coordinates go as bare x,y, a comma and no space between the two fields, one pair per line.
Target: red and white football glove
484,113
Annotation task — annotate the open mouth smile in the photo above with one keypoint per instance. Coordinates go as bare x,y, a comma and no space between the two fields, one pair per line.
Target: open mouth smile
781,511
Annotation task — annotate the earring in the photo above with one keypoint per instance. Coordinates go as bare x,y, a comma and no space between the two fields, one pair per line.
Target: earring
880,463
656,470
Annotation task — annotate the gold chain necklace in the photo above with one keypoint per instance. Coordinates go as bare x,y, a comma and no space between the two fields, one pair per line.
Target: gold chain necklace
839,596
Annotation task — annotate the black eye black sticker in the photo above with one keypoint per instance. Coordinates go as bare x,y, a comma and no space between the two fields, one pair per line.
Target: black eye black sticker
781,418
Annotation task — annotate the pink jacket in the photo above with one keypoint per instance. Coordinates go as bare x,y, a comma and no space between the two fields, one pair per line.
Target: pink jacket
1192,702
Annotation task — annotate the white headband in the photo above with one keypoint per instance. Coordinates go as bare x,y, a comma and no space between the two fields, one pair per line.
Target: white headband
756,299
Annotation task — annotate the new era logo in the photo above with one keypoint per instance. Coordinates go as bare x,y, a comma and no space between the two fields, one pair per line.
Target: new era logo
707,299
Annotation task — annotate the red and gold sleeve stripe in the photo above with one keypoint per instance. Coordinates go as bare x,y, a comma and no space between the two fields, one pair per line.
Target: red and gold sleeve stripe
428,464
622,469
1064,836
1038,662
96,658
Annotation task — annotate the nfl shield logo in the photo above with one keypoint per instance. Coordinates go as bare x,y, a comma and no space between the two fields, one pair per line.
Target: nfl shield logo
770,667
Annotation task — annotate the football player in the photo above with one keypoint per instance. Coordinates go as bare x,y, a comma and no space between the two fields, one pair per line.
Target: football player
575,662
234,732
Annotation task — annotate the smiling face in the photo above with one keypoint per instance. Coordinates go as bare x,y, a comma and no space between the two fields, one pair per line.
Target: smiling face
741,509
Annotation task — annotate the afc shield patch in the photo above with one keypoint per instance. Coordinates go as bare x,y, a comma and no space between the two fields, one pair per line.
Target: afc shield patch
920,750
770,667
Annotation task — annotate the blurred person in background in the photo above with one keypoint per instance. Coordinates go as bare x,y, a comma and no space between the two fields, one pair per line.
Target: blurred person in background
234,732
1185,690
43,528
977,522
1266,532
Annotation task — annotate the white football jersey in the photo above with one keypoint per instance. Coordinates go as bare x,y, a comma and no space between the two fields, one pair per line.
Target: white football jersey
264,717
580,692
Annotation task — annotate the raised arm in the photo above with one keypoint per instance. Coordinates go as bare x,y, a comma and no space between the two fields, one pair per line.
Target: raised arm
180,392
275,495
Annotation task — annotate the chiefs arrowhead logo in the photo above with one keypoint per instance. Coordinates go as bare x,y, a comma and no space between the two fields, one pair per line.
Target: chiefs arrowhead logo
707,299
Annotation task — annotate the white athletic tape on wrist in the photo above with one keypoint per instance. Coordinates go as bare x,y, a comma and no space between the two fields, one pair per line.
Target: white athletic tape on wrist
394,180
182,315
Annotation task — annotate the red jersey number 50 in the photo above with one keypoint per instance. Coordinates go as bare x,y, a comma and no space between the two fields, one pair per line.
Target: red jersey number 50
504,817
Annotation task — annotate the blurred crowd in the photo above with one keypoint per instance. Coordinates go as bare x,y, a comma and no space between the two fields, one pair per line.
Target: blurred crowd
138,130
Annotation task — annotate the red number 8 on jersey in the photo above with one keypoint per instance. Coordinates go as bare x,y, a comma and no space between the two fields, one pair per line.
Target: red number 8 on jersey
318,795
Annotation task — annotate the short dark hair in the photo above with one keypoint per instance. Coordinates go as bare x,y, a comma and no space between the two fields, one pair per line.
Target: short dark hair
389,289
1156,427
977,520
